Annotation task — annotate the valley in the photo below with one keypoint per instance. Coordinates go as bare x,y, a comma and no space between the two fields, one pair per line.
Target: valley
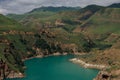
91,34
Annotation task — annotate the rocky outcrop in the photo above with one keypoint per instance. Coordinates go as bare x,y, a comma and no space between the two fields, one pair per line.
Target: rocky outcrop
59,23
103,75
70,47
15,75
6,73
13,32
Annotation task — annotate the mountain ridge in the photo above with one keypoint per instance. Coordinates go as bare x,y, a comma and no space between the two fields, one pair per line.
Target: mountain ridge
55,9
115,5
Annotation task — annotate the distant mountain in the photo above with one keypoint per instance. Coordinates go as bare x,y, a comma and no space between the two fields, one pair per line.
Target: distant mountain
88,11
116,5
42,12
54,9
50,16
106,20
40,17
92,8
71,17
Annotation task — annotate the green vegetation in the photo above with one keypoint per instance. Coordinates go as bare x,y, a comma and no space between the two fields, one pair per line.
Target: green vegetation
6,23
43,31
104,21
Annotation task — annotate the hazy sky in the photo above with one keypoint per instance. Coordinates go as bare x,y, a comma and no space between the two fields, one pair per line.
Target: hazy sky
22,6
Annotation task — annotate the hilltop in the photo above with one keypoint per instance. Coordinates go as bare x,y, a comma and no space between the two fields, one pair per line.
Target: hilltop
116,5
54,9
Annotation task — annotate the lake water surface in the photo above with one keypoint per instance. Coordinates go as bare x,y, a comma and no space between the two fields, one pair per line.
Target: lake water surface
56,68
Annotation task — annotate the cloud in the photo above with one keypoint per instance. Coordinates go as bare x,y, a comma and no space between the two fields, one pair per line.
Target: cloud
22,6
3,11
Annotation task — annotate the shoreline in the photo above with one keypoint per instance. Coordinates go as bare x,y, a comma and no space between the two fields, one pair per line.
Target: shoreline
89,65
74,60
13,74
42,56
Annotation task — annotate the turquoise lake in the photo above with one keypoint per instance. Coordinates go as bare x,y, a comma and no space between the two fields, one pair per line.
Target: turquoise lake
56,68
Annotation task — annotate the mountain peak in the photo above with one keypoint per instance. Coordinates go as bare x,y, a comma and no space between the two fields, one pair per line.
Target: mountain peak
54,9
115,5
92,8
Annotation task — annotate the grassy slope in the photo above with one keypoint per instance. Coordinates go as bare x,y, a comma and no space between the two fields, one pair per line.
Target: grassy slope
104,21
48,15
6,23
40,19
